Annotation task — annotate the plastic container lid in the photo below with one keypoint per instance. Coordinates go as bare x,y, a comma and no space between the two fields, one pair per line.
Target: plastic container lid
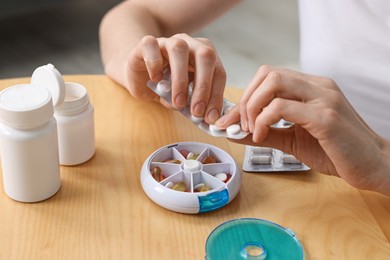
50,78
23,106
251,238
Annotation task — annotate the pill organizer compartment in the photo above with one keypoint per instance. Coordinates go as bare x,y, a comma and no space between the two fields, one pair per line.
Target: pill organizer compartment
180,188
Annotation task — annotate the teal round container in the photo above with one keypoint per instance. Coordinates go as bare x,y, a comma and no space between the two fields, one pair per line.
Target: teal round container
254,239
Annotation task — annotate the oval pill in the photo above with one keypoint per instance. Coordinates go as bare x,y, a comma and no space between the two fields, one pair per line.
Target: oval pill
233,129
214,128
163,87
221,176
169,185
196,120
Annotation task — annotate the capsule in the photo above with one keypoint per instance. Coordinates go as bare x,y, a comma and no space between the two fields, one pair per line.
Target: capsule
209,159
184,153
157,174
201,187
262,150
289,159
261,159
175,161
192,156
179,186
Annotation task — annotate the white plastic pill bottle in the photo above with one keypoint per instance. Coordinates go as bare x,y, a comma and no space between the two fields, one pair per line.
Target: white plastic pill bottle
29,144
74,114
75,119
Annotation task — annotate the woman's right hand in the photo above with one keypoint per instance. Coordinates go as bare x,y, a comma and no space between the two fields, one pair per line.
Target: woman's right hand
188,59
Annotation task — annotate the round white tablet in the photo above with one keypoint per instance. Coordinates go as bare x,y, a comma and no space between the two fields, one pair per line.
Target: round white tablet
163,87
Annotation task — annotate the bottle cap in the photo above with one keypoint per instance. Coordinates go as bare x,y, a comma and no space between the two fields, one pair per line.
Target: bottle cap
50,78
23,106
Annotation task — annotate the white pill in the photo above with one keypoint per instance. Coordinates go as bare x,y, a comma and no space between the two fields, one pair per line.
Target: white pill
221,176
190,156
163,87
169,185
214,128
196,120
261,159
233,129
262,150
288,158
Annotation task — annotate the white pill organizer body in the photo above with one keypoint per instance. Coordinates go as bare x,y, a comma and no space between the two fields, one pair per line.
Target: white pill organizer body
206,182
74,114
265,159
29,146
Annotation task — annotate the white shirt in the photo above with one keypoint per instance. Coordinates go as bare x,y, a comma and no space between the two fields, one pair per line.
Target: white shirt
349,41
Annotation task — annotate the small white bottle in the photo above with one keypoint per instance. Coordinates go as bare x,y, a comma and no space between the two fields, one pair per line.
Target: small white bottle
74,114
29,144
75,119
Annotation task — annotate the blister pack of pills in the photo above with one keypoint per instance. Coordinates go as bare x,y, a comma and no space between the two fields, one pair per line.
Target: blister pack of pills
265,159
234,131
163,89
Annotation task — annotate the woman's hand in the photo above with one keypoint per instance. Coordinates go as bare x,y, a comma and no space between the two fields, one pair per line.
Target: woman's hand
189,59
328,135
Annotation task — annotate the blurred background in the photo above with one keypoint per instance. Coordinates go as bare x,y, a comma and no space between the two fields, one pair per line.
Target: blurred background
65,33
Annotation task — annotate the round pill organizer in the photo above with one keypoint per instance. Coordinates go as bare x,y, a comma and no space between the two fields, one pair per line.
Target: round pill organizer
190,177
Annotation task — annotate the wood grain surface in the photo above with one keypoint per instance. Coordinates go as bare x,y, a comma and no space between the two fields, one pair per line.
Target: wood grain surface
102,212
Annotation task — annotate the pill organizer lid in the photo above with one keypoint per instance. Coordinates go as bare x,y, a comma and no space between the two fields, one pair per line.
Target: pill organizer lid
252,238
50,78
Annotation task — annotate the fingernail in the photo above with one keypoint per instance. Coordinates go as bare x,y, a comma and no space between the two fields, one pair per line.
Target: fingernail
181,100
213,115
199,109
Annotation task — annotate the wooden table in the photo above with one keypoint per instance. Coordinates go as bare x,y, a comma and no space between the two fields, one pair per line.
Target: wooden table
102,212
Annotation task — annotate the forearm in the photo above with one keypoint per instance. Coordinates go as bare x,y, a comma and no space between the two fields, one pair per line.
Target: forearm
126,24
122,27
385,169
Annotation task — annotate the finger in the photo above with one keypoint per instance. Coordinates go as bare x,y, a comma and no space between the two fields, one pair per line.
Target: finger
253,85
205,61
203,58
152,57
214,107
178,55
291,110
232,117
278,84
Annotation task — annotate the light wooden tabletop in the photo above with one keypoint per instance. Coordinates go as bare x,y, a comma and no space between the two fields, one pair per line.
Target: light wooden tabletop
102,212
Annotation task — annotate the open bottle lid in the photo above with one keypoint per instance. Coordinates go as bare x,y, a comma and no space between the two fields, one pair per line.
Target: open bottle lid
50,78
